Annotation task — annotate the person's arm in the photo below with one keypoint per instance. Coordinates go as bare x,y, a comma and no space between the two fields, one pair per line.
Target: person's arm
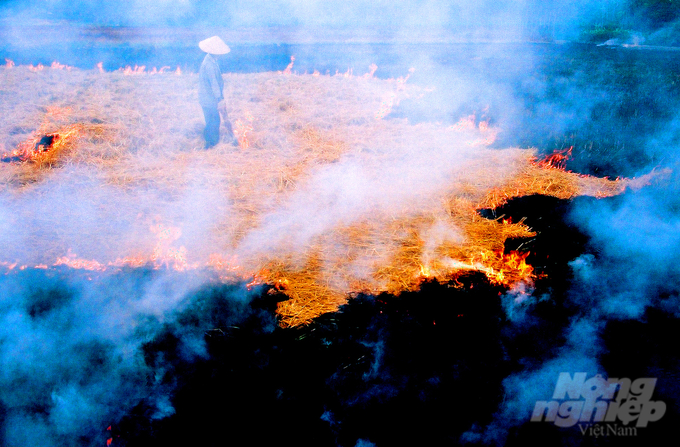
216,87
217,91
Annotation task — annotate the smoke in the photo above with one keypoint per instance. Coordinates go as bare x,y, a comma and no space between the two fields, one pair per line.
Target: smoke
628,274
79,213
71,345
352,188
436,16
70,350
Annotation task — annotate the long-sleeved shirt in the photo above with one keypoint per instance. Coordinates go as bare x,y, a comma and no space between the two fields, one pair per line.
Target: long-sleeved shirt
210,82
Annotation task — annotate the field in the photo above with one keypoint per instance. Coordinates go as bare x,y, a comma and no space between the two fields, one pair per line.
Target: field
325,196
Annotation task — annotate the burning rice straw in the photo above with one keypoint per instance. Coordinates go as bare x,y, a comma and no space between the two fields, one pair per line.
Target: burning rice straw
140,139
538,178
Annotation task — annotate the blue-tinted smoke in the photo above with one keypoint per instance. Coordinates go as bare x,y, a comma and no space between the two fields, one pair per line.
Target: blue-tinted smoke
631,267
434,15
71,349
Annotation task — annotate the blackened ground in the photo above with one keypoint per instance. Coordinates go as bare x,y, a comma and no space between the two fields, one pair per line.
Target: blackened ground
416,369
557,242
633,349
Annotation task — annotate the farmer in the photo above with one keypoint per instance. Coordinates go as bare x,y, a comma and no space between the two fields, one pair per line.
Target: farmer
210,85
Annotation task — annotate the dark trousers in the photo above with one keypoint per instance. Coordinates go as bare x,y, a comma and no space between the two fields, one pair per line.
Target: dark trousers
212,126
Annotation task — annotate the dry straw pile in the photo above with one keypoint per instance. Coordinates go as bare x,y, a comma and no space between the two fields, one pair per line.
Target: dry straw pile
142,134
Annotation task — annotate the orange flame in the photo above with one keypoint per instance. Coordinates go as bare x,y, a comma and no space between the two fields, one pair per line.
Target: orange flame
127,70
33,147
557,160
81,264
264,277
241,129
510,268
515,262
57,66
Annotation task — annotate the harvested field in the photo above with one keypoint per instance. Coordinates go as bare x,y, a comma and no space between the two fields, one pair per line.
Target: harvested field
325,196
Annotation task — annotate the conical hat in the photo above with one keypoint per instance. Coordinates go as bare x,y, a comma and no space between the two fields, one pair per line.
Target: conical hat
214,45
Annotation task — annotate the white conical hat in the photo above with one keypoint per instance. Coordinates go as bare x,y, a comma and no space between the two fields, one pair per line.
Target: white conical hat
214,45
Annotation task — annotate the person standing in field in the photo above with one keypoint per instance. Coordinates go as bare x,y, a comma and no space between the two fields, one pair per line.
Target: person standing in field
210,85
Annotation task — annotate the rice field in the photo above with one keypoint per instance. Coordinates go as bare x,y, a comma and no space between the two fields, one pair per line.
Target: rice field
325,195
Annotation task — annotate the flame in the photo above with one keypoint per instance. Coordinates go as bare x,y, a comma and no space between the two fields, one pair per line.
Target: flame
164,256
557,160
401,81
127,70
71,260
138,70
164,253
282,284
509,268
390,256
31,149
8,265
57,66
487,133
373,68
241,129
130,261
256,281
265,276
289,68
515,263
390,99
141,69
